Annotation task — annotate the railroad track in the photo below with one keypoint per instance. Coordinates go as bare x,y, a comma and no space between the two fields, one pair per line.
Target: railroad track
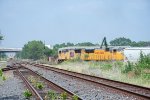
10,68
26,73
137,91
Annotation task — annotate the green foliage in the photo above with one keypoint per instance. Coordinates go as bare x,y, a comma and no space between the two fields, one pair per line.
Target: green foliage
75,97
144,61
35,50
1,37
85,44
139,67
127,42
3,78
128,67
121,42
106,66
119,64
146,76
51,95
63,96
1,73
39,85
140,44
27,94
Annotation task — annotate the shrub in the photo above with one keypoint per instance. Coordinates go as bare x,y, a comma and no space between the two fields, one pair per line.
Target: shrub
144,61
128,67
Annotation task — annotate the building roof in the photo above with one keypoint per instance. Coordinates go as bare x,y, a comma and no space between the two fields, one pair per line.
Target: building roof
91,47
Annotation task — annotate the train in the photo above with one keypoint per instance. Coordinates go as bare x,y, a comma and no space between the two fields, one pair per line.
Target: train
102,53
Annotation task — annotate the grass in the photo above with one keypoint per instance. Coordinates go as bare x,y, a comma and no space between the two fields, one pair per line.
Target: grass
39,85
51,95
120,71
27,94
3,64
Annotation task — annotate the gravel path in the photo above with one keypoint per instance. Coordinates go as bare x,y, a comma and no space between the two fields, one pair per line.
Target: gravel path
84,90
12,88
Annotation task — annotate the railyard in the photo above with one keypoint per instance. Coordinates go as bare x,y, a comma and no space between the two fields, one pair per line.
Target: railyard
74,50
70,84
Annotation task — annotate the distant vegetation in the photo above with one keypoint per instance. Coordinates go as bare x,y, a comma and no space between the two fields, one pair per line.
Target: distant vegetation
127,42
37,50
1,37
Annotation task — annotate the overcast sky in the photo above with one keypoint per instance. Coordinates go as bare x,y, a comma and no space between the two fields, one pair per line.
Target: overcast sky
58,21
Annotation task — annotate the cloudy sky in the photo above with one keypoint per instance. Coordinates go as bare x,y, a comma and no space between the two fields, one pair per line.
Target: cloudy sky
58,21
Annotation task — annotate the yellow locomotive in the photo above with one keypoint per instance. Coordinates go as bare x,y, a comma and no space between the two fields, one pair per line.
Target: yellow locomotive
91,53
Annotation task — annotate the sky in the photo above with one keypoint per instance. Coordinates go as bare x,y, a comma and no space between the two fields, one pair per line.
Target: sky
59,21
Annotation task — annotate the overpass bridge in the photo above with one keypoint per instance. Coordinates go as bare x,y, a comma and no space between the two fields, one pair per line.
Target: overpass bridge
10,52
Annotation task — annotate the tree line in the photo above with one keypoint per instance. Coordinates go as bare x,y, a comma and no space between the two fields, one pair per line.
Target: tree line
37,49
127,42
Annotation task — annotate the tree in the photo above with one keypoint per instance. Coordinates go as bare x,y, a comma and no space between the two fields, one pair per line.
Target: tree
85,44
121,42
1,37
140,44
35,50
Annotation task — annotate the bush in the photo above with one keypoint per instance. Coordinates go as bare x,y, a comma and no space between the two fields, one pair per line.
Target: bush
128,67
139,67
144,61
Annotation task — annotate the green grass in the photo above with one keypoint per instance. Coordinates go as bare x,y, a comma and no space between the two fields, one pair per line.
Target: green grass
27,94
122,71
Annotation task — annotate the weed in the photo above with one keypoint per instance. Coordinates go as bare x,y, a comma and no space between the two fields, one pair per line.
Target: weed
63,96
39,85
4,78
74,97
27,94
1,73
51,95
128,67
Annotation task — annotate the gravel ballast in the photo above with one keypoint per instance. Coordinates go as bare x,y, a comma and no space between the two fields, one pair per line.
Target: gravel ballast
12,88
84,90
